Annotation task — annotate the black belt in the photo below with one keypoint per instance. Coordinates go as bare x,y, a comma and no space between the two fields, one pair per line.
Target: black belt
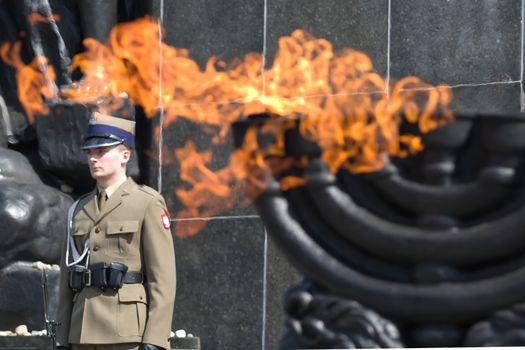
133,277
129,277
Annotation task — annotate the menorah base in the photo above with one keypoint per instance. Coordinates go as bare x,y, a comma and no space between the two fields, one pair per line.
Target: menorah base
318,319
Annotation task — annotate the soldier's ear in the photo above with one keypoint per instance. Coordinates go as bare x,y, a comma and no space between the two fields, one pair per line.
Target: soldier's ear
126,154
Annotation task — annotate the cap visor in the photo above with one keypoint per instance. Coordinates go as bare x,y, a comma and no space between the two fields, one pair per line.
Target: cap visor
96,142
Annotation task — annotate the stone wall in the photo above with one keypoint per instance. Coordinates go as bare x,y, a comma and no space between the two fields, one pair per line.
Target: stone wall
475,46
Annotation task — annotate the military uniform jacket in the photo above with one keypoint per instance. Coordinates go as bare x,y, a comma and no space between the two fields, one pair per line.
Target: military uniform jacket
129,230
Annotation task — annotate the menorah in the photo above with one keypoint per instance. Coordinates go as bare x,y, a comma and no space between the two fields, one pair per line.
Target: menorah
428,251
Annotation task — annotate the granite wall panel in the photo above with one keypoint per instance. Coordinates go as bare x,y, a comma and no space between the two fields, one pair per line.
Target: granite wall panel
220,275
231,276
487,99
456,41
280,275
227,29
358,24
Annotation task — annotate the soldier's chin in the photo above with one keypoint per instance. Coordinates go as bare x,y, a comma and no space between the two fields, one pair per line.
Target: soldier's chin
95,173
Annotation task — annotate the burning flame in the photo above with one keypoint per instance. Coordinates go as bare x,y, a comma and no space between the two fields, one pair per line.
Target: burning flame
335,99
35,81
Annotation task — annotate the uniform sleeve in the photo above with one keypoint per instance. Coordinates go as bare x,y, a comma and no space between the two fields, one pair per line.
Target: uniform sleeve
159,267
65,300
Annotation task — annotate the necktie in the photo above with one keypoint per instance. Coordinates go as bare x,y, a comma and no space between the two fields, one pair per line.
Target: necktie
102,198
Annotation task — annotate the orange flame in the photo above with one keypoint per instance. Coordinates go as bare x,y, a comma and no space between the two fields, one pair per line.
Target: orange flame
37,18
336,101
211,192
35,81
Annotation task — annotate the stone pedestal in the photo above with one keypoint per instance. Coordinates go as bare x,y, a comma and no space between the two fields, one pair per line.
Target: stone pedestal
44,343
21,296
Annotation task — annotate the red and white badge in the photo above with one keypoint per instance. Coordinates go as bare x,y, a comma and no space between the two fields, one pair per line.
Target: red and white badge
165,221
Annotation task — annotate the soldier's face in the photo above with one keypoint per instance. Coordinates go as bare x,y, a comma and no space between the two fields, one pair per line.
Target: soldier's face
107,162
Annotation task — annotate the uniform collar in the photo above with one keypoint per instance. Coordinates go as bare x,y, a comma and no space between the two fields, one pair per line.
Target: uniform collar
91,207
113,188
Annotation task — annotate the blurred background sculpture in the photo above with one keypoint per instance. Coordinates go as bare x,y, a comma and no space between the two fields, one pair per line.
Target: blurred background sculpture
42,167
428,251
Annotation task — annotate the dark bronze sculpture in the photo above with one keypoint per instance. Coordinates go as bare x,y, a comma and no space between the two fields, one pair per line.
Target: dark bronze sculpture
44,166
429,250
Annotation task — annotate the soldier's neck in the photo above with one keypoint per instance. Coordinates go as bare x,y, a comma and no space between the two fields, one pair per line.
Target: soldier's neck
111,182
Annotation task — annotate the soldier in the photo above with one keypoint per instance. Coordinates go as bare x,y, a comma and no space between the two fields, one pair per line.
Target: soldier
117,288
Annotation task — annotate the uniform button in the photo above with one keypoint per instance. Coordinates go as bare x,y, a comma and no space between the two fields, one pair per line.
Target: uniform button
95,248
121,228
97,230
140,297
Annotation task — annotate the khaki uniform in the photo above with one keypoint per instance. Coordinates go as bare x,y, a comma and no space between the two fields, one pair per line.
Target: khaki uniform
129,230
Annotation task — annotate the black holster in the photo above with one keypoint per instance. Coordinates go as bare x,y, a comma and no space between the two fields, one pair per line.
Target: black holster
99,274
106,275
102,275
76,277
116,272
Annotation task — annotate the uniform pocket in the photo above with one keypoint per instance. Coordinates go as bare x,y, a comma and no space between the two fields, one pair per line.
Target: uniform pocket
79,232
132,310
120,234
122,226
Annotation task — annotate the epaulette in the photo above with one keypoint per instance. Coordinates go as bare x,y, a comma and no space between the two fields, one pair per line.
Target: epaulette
149,190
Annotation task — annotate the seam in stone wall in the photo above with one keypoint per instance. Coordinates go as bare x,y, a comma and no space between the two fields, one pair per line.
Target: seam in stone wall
389,30
522,94
218,218
506,82
161,101
264,50
265,256
264,296
509,82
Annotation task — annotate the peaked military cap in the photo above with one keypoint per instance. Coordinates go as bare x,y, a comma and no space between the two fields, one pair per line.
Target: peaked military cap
105,130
